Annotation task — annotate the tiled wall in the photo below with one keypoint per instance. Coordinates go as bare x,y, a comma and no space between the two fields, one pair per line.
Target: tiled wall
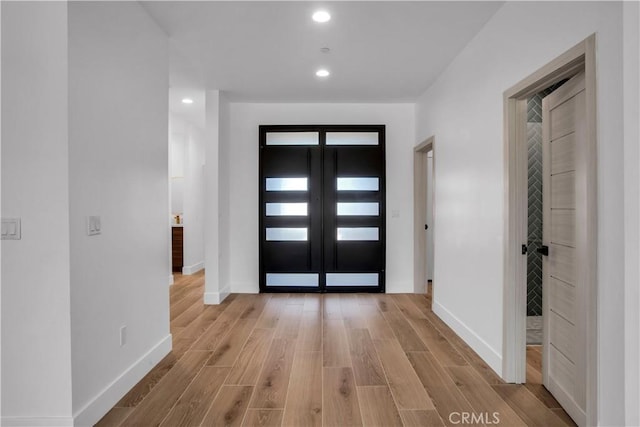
534,145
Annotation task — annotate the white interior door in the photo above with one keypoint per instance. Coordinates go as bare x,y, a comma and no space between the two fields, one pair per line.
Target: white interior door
564,222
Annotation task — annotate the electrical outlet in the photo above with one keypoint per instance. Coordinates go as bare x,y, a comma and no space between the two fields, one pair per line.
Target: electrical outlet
123,336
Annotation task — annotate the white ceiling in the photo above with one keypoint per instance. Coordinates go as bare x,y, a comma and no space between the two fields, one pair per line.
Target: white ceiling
269,51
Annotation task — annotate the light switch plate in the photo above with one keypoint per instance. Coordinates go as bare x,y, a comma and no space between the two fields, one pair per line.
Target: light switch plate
11,229
94,226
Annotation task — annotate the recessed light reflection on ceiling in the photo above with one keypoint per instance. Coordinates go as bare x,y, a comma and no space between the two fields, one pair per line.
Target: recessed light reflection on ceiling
321,16
322,73
187,101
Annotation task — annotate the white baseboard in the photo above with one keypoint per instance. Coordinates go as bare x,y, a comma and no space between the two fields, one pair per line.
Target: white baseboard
104,401
396,287
170,281
214,298
37,421
193,269
245,287
480,346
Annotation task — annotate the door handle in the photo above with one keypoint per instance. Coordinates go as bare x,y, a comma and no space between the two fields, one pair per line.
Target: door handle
544,250
426,226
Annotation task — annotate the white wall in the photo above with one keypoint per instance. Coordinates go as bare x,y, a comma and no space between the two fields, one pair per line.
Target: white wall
118,169
224,181
36,353
177,148
194,200
214,290
0,214
464,110
631,76
187,195
243,201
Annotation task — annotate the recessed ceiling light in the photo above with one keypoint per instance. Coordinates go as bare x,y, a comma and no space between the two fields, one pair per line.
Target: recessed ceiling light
321,16
187,101
322,73
325,50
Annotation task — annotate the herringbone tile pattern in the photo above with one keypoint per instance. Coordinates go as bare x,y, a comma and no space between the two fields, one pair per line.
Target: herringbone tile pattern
534,147
534,259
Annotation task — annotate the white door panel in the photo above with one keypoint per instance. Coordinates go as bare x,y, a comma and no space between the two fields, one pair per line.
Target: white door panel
564,291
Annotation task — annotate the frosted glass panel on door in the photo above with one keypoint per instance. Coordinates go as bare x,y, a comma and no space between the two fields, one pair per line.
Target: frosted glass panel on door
287,184
286,234
352,138
352,279
287,209
358,233
292,279
292,138
358,184
358,209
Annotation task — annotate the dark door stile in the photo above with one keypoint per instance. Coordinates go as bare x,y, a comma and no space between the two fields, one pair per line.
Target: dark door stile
321,252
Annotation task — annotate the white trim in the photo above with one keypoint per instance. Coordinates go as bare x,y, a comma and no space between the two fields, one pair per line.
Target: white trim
171,280
214,298
245,287
192,269
480,346
37,421
420,179
107,398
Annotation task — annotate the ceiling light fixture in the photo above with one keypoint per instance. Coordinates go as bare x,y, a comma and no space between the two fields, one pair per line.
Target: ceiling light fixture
321,16
322,73
187,101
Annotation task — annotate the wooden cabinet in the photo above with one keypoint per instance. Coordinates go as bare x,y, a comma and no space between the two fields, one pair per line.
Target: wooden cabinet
177,238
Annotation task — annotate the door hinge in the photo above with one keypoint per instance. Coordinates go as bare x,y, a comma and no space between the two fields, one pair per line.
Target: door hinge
525,249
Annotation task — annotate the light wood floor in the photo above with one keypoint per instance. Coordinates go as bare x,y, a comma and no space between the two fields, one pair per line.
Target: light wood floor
332,359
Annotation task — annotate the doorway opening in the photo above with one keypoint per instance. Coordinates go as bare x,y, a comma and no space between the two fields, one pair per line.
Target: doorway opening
569,338
535,215
424,221
322,208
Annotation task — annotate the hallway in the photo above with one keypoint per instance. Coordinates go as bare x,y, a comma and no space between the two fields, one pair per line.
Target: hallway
332,359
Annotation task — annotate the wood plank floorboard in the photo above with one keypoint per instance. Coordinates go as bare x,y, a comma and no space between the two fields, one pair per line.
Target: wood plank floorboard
420,418
157,404
249,363
273,383
340,398
402,378
114,417
378,407
304,401
366,365
447,398
263,418
298,360
196,400
229,406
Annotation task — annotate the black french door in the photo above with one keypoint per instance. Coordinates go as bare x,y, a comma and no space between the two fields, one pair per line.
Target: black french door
322,208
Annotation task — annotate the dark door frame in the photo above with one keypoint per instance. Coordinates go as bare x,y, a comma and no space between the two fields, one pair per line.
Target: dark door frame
327,208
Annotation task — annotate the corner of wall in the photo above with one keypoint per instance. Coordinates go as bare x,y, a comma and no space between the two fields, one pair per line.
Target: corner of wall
215,298
93,411
480,346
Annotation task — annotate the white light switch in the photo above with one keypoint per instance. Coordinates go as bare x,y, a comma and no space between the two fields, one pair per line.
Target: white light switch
11,229
93,225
